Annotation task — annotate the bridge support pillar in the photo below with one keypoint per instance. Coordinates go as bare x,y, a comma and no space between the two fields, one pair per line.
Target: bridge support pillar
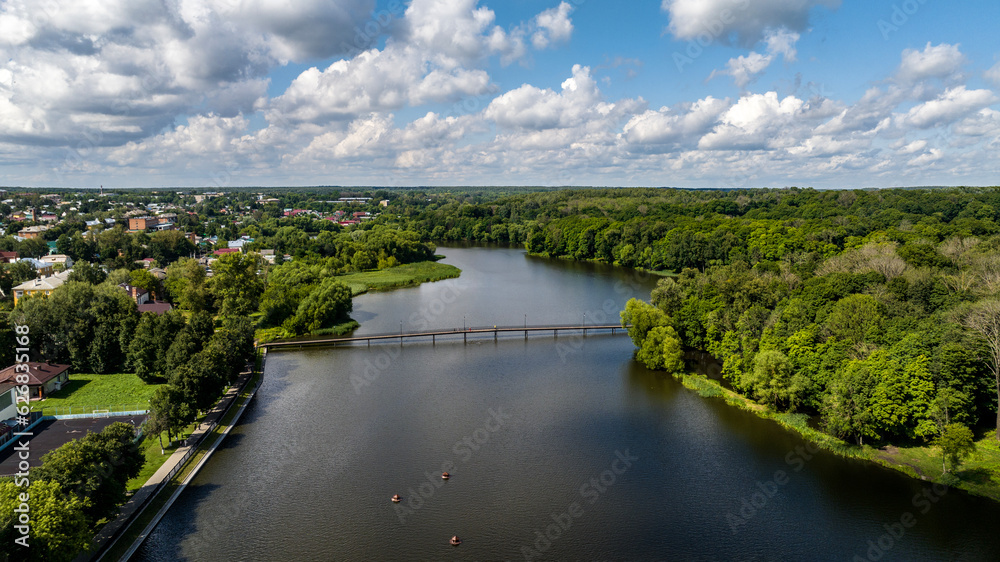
494,335
432,339
465,337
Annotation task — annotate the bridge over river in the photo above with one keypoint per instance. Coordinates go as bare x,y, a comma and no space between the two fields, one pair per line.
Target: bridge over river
453,334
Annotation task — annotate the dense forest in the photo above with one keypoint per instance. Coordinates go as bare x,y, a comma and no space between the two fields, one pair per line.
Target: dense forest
873,310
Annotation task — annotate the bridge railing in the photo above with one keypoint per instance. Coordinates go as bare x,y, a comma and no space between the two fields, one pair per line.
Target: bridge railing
444,332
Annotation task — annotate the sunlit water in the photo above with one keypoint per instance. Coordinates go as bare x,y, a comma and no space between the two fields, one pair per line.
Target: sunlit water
559,449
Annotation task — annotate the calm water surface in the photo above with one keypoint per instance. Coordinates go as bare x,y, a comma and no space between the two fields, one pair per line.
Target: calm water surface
559,449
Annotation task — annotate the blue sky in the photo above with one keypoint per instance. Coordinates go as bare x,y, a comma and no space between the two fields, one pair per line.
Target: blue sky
689,93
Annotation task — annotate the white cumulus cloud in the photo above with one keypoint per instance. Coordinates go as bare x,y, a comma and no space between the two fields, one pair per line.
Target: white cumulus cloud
554,25
934,61
953,104
745,69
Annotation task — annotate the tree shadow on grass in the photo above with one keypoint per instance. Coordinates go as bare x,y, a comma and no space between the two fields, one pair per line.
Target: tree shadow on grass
980,476
69,388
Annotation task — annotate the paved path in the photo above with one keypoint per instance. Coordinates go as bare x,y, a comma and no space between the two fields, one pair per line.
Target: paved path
142,495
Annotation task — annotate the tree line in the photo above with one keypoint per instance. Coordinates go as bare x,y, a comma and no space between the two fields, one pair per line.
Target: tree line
870,309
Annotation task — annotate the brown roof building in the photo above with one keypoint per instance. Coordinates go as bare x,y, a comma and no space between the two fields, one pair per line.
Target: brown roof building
157,307
43,378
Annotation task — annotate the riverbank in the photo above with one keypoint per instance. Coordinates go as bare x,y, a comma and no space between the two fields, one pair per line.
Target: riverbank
978,474
165,485
409,275
643,270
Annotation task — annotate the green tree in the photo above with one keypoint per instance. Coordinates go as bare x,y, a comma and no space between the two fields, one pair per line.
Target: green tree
13,274
642,317
59,528
142,350
855,318
236,284
33,248
956,442
668,295
235,340
325,306
96,467
169,408
847,404
984,320
87,272
773,380
81,324
168,245
661,350
186,285
145,280
363,260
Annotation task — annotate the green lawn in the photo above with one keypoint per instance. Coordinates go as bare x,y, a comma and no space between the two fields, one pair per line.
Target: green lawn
980,473
85,393
399,276
154,460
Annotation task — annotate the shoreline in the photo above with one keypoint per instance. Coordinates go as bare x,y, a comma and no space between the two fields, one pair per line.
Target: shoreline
708,388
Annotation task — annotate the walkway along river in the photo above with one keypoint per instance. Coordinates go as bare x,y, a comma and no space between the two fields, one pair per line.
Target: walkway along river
557,448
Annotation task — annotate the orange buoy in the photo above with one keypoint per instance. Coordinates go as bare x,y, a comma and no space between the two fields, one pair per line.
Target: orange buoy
445,476
455,541
396,498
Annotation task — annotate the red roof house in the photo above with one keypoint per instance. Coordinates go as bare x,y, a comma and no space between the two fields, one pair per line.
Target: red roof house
42,378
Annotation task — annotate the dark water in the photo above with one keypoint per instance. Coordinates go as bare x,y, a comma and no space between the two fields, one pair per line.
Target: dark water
567,438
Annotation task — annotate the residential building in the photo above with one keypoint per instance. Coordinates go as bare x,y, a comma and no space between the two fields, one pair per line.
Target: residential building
32,231
8,401
41,286
141,224
43,378
138,294
240,243
156,307
42,269
8,257
58,259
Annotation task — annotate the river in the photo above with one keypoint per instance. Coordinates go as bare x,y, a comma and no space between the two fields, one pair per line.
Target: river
559,449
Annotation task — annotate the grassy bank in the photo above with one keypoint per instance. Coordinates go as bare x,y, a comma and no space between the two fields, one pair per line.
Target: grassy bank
407,275
979,474
150,448
155,504
278,333
85,393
